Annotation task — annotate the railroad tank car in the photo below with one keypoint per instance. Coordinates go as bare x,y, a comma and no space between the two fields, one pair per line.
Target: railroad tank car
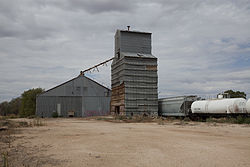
219,106
248,106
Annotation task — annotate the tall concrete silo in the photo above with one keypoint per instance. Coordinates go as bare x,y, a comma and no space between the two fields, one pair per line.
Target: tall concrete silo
134,75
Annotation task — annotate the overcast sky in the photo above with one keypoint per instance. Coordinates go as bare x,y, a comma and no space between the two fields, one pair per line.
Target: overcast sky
203,47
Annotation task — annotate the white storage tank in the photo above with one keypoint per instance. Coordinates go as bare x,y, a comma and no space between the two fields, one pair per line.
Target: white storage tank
248,106
220,106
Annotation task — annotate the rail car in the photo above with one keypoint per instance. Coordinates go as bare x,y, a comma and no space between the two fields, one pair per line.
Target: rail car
175,106
248,106
221,107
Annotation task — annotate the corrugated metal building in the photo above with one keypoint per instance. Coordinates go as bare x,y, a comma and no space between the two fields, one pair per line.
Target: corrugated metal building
176,106
134,75
81,95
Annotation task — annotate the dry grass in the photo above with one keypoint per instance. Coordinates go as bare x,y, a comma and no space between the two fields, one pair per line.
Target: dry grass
7,138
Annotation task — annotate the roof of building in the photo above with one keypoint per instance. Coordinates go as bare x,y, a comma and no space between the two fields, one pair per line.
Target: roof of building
72,80
135,31
142,55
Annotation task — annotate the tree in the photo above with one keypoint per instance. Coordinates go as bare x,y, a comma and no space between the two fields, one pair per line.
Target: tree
4,108
14,106
235,94
28,104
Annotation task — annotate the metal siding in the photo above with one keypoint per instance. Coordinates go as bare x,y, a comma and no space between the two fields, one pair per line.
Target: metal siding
141,93
72,95
93,89
46,105
135,42
96,106
176,106
67,89
138,74
77,87
171,107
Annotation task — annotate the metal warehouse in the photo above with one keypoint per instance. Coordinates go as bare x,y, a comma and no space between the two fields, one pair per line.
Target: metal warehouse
134,75
176,106
79,97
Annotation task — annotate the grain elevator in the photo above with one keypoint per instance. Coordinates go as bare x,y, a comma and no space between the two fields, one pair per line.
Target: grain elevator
134,76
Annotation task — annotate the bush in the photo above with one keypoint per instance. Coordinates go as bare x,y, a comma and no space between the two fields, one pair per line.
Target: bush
38,122
238,120
187,119
120,117
242,120
54,114
31,116
23,124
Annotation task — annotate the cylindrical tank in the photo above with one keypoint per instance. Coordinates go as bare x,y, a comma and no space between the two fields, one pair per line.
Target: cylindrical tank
220,96
220,106
248,105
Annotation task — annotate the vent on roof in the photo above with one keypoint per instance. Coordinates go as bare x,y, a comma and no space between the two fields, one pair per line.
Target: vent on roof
128,27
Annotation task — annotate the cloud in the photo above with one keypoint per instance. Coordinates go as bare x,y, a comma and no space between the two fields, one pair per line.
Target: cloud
92,7
99,6
202,46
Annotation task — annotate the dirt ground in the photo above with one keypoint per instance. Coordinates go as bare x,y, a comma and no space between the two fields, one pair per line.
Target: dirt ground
79,142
